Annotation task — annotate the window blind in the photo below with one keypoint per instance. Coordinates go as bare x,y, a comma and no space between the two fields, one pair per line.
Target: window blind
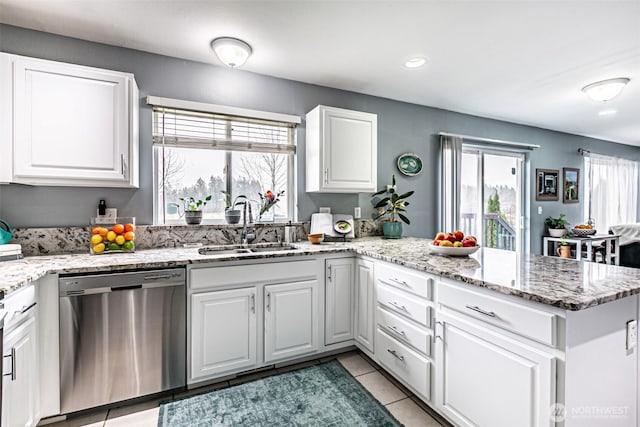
197,129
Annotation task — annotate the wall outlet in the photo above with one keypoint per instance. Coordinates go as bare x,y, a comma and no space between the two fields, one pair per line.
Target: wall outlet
357,212
632,334
539,210
325,210
110,216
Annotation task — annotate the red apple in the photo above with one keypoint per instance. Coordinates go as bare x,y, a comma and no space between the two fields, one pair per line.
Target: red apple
436,243
469,243
472,238
450,237
439,236
459,235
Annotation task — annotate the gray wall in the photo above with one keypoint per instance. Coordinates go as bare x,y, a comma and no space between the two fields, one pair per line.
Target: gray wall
402,127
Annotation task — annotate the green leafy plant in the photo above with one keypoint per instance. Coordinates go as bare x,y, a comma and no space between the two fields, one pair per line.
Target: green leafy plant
193,204
228,204
563,241
557,223
394,204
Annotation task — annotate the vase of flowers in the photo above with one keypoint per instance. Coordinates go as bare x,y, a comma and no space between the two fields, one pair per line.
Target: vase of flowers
267,201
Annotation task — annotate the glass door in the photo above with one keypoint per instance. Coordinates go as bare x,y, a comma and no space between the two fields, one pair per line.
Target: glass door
491,197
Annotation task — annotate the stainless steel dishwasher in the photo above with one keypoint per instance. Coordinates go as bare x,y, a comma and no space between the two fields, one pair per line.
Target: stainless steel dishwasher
122,335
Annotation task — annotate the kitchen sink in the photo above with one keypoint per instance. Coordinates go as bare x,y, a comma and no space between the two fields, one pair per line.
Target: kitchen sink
245,249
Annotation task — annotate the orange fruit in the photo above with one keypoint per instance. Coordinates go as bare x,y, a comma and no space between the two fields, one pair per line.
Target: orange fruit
118,228
102,231
95,230
129,235
129,227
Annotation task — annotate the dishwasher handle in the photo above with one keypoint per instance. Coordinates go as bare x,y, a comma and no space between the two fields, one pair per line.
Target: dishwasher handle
125,288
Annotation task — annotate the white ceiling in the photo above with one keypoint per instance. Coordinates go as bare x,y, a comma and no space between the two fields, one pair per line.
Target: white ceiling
519,61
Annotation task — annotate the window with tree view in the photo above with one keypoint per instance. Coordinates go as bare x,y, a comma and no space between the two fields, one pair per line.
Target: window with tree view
198,154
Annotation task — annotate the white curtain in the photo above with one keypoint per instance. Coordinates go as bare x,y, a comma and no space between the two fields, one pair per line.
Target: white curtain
611,190
450,161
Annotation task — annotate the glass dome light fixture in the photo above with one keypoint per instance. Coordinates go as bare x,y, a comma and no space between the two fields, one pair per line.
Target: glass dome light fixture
605,90
231,51
415,62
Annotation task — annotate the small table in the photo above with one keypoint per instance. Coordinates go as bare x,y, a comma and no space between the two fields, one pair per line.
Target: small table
610,240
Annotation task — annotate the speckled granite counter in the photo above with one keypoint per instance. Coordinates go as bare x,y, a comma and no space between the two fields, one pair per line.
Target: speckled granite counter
567,284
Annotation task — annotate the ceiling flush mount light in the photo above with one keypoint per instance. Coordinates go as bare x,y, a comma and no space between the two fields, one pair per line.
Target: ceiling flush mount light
605,90
415,62
232,52
609,112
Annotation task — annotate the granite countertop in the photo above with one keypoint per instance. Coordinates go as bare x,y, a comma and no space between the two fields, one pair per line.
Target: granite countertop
568,284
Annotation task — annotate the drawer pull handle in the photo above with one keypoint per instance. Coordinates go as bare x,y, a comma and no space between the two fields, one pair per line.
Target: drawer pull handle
253,303
481,311
400,282
401,358
26,308
398,306
397,332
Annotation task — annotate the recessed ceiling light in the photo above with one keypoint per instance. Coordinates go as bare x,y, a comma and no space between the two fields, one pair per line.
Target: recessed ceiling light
415,62
231,51
605,90
609,112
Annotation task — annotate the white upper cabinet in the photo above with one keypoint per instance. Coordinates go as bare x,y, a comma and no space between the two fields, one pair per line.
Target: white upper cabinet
72,125
341,151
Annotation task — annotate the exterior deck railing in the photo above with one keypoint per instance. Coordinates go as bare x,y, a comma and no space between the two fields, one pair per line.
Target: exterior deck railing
497,232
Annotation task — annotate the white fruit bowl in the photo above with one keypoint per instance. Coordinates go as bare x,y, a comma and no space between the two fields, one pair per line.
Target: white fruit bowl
451,251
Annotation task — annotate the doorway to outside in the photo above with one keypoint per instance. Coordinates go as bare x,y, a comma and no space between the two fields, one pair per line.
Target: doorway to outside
491,197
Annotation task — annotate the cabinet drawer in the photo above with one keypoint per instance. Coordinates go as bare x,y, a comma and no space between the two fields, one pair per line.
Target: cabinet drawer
523,320
405,279
404,331
404,363
212,277
19,305
405,304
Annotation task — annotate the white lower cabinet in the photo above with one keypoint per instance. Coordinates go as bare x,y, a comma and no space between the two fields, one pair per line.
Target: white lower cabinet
364,304
485,379
339,304
20,391
246,316
223,331
290,319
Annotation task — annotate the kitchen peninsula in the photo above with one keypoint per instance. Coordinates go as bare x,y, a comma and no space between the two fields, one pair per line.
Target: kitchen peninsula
549,333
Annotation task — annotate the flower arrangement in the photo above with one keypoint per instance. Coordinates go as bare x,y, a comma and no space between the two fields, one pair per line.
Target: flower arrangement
268,200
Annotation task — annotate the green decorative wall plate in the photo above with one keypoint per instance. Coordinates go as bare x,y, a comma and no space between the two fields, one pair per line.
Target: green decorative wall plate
409,164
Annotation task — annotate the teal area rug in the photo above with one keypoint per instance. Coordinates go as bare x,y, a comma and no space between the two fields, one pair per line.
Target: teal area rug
322,395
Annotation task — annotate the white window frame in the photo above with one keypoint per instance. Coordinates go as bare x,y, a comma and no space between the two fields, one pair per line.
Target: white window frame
227,146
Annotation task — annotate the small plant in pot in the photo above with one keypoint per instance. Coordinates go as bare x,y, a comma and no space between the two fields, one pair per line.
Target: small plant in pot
394,209
193,209
564,250
231,214
557,226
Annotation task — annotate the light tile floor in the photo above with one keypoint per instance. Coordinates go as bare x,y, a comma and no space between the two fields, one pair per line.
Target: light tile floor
406,407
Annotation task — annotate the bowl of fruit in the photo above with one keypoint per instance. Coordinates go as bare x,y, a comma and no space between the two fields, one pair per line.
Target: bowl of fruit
583,230
454,244
115,237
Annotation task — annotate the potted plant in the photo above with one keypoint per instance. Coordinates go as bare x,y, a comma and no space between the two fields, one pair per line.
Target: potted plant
394,209
232,215
564,250
557,226
193,209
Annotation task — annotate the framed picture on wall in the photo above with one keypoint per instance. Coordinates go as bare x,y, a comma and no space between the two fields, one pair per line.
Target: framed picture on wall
570,185
547,184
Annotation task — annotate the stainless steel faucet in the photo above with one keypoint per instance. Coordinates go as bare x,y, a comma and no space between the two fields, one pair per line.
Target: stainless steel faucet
246,236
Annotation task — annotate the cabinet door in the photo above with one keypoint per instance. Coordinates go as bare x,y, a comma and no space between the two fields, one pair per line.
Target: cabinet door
350,150
339,301
365,318
223,332
486,379
71,124
290,320
20,385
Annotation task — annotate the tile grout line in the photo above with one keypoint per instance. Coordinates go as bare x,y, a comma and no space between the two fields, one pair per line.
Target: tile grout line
399,400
